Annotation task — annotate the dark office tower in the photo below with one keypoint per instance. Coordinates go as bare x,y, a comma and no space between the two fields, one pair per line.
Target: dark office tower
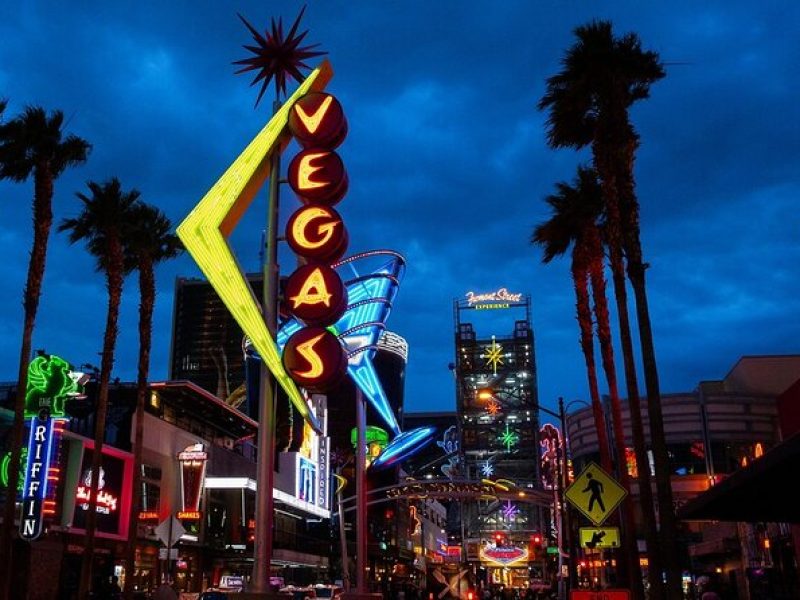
497,404
207,341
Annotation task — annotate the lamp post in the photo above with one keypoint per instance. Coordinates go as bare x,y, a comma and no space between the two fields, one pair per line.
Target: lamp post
563,512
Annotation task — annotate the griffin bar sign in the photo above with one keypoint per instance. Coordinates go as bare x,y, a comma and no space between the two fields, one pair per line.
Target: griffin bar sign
39,446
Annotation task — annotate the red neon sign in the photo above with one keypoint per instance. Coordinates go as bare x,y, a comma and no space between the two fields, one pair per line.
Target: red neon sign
317,233
106,502
316,295
148,515
317,119
318,175
315,359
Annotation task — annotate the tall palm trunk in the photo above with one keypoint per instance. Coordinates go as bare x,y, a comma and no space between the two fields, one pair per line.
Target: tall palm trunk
147,292
42,222
114,277
636,275
598,280
603,164
584,313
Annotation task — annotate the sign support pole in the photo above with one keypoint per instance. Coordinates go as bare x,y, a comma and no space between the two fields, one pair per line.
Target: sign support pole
361,494
265,466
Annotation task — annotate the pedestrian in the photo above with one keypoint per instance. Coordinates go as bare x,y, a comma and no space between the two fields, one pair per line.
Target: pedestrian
165,591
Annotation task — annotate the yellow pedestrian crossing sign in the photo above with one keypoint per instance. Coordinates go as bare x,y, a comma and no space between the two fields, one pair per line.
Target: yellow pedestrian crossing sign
595,493
599,537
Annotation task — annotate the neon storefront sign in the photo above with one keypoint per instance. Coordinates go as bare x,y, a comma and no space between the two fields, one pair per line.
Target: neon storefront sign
503,555
192,461
106,501
50,383
502,298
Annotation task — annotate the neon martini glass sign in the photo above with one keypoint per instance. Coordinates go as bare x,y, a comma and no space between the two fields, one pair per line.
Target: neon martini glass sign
370,297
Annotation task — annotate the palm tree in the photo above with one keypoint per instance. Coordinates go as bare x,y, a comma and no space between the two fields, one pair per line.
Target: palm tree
104,226
151,242
575,212
577,209
32,143
588,103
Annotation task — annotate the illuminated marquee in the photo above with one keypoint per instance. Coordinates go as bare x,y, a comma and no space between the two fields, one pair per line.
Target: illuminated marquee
503,555
315,295
502,298
193,460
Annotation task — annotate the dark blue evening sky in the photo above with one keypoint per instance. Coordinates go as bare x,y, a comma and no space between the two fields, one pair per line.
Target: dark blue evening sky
447,162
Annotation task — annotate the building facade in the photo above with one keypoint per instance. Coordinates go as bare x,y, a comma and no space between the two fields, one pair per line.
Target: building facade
711,432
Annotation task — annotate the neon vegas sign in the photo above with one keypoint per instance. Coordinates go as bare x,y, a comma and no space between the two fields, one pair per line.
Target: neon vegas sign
502,298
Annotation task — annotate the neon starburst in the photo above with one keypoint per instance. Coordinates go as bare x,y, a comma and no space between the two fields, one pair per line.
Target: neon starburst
277,56
509,438
494,355
487,468
510,510
493,407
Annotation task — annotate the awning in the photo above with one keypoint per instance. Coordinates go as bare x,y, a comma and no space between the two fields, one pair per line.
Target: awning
188,398
762,491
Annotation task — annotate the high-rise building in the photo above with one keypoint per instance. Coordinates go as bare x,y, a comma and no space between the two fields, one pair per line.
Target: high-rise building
206,340
498,424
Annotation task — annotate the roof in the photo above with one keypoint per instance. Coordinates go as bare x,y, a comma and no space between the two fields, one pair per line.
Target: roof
757,493
193,400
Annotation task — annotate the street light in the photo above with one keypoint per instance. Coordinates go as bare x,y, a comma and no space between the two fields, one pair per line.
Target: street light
565,525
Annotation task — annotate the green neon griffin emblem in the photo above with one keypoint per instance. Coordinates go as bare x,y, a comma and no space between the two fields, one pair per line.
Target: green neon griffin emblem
50,383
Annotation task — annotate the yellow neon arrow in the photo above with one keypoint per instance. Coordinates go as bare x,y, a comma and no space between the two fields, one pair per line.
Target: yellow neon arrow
205,230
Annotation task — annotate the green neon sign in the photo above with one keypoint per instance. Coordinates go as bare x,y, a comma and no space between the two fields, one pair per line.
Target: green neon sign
373,435
50,383
6,462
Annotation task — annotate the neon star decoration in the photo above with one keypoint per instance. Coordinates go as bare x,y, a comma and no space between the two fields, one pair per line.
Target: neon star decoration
509,438
206,229
487,468
493,407
276,55
494,355
510,510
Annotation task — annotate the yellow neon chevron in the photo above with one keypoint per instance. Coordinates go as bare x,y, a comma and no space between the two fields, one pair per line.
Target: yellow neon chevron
205,230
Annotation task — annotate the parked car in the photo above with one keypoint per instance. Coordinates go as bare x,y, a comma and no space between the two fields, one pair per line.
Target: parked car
300,593
328,591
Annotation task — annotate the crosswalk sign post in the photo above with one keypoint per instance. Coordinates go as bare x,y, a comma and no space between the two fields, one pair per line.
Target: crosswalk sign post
595,493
